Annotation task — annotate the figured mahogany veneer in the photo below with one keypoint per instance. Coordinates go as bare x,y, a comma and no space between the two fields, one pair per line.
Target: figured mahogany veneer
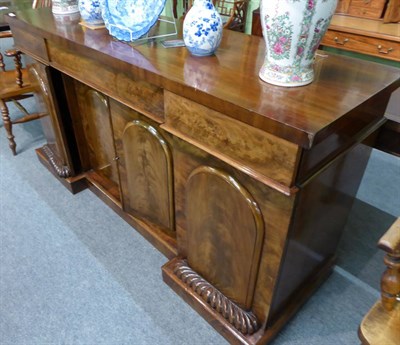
244,186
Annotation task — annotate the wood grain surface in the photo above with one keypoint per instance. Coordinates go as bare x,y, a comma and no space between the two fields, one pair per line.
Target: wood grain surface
251,183
265,154
227,82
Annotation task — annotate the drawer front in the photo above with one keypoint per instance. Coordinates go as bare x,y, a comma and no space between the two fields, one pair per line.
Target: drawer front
124,86
260,154
362,44
30,44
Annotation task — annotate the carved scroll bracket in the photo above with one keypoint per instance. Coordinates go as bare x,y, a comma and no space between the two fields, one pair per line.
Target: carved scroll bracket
244,321
62,170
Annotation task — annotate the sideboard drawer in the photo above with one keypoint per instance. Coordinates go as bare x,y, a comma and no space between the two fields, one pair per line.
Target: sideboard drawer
30,44
362,44
261,155
125,86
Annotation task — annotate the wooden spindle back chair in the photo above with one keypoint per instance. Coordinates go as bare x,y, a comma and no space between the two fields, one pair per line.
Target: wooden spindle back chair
16,86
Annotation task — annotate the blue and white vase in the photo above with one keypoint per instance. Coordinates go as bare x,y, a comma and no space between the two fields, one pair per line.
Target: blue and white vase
91,12
202,28
293,30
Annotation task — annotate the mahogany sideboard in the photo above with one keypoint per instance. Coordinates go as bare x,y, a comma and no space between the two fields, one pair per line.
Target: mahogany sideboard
244,186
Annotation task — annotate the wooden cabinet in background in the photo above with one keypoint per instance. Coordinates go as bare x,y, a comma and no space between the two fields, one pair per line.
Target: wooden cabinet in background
364,36
372,9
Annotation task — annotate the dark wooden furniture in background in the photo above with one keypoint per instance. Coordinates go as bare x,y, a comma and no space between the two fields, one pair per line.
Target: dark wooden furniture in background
382,323
256,23
362,8
244,186
388,10
392,12
233,12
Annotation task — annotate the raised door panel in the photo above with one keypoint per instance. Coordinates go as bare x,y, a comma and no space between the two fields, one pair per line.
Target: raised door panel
147,187
231,231
225,233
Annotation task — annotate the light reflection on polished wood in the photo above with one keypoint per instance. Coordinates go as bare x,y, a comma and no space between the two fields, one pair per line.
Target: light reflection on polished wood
230,82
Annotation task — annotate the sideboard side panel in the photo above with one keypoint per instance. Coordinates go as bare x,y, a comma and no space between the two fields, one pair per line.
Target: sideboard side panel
323,206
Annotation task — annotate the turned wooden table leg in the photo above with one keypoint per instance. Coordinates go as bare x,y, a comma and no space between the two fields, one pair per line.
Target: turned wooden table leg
2,65
8,126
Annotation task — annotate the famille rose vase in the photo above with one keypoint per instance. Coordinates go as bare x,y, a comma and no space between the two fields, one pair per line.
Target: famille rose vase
64,6
292,30
90,11
202,28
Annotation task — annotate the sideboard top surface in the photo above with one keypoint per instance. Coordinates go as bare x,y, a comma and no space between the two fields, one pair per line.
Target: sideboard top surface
228,82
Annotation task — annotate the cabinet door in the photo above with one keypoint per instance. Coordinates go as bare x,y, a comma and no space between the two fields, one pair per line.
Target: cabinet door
145,165
231,230
57,148
94,135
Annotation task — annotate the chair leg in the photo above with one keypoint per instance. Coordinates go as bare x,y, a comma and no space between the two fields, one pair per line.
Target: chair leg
2,65
8,126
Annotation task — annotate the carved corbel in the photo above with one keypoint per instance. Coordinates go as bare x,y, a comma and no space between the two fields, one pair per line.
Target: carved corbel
244,321
62,170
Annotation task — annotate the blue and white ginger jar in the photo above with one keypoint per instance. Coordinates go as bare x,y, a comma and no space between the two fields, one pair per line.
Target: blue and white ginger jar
90,11
202,28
